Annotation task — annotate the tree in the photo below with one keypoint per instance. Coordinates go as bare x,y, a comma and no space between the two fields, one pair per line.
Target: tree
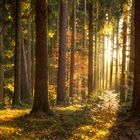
111,63
73,43
29,49
122,83
17,67
41,102
84,44
25,89
117,53
90,49
61,79
136,89
1,55
32,47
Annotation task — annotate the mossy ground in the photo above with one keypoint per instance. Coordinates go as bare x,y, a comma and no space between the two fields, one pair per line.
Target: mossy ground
72,123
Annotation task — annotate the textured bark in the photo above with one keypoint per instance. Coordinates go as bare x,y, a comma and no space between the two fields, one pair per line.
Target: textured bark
61,80
103,65
117,53
29,57
17,66
85,20
32,49
73,44
111,67
106,83
90,50
131,62
83,83
122,83
41,102
1,56
136,92
25,92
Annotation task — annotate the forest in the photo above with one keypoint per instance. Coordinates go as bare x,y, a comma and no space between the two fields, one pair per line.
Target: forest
69,70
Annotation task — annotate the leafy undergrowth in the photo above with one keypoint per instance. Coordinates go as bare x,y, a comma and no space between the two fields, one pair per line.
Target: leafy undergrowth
71,123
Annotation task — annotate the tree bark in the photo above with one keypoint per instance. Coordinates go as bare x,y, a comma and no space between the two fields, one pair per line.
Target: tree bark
122,83
1,56
117,53
90,49
25,89
83,84
17,66
103,64
111,66
41,102
73,44
61,79
136,89
29,52
32,49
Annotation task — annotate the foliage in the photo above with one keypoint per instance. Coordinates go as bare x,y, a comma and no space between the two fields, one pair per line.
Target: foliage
104,100
52,95
73,122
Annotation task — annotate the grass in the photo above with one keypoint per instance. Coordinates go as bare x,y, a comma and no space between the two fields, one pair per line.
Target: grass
71,123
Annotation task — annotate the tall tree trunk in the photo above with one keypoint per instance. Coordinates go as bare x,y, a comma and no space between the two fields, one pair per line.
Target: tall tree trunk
84,30
136,92
61,80
41,102
122,83
90,49
96,50
117,53
111,66
1,55
83,84
29,52
17,67
103,64
73,44
32,48
25,92
131,61
107,66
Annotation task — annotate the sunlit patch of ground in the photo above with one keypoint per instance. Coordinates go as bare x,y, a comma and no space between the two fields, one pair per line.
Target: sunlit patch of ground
72,123
8,127
98,127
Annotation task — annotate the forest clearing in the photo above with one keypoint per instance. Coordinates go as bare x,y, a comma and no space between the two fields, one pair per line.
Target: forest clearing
71,123
69,70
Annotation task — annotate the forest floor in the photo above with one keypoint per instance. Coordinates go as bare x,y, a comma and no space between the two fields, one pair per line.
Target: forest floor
75,122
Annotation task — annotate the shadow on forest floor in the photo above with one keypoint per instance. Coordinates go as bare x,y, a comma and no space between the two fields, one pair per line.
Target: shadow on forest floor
72,123
126,126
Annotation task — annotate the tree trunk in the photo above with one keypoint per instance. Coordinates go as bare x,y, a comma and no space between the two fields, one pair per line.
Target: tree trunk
73,44
32,49
136,92
83,84
131,61
1,55
61,80
117,53
103,64
84,30
90,50
25,92
29,52
17,67
111,67
41,102
122,83
107,66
